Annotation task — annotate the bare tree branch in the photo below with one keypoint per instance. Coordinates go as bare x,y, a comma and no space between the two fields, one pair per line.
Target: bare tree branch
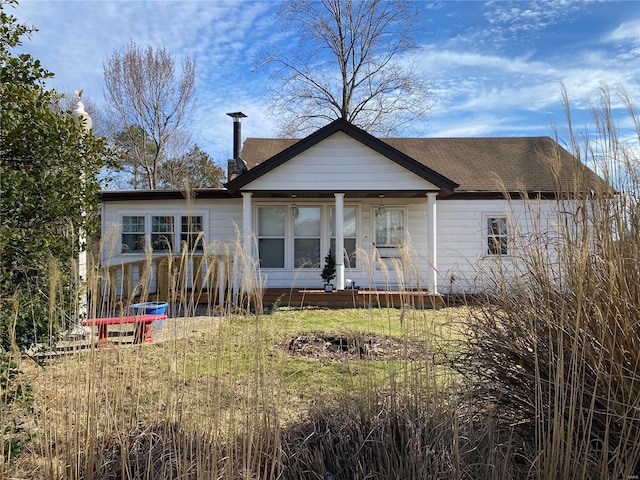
352,61
143,91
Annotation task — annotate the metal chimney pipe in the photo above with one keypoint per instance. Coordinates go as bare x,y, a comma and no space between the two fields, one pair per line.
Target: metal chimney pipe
237,133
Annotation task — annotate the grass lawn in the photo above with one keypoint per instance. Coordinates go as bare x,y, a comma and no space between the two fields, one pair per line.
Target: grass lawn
212,376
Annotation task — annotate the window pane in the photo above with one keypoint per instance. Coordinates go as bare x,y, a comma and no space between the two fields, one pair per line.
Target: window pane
306,252
497,246
497,243
162,232
133,224
132,234
307,223
132,242
390,228
271,222
191,224
271,252
190,230
350,251
349,225
497,226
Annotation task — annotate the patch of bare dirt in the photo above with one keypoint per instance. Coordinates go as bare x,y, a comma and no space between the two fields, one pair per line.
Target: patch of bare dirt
328,346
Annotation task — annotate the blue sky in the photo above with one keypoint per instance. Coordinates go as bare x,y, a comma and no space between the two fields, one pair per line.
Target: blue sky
495,68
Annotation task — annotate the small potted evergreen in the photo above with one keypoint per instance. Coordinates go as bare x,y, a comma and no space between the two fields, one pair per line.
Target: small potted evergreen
328,272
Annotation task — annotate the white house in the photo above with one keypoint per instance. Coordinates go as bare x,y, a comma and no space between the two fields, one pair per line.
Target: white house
452,203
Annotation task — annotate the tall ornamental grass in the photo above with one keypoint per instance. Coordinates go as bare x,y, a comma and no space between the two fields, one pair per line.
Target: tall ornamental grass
556,348
541,382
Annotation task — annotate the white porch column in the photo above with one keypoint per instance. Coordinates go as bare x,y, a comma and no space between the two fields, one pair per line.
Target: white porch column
339,240
432,274
241,270
246,223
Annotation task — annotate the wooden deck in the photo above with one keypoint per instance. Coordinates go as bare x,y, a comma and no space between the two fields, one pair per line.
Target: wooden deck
295,297
178,279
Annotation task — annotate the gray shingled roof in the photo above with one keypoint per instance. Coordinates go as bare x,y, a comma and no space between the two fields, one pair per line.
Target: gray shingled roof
474,163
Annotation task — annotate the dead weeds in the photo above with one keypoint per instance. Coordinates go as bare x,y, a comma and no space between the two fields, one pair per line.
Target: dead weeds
332,346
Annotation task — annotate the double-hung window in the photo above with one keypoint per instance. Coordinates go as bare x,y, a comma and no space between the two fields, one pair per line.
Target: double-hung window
271,228
298,236
306,238
497,242
132,233
162,232
191,236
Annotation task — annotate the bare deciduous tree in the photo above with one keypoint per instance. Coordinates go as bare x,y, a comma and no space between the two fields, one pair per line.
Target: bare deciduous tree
143,91
352,61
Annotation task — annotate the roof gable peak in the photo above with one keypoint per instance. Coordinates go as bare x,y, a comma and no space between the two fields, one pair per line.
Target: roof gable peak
358,134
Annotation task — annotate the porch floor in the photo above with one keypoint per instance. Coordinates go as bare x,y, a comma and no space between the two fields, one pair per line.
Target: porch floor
300,297
305,297
352,298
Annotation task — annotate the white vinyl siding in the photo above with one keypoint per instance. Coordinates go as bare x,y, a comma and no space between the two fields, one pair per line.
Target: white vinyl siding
462,260
340,163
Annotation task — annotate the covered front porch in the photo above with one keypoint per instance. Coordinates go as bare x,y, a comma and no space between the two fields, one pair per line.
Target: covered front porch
343,191
387,239
207,281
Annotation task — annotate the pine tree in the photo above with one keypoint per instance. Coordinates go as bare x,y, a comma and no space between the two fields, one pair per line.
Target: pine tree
329,270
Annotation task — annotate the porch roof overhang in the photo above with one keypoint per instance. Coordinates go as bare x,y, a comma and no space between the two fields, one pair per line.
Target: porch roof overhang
126,195
347,194
242,182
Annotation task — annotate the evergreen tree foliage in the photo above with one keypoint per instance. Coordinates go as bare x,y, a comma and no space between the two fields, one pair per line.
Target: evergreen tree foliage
48,193
329,270
194,169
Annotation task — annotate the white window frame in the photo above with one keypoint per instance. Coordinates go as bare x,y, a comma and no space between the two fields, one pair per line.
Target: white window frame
161,237
289,238
163,212
193,234
295,237
374,225
256,229
123,233
488,235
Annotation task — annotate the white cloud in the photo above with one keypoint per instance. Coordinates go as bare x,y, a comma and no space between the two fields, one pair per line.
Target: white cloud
492,74
626,31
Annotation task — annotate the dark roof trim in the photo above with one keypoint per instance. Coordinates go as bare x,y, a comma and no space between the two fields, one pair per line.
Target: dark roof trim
358,134
358,194
123,195
501,195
